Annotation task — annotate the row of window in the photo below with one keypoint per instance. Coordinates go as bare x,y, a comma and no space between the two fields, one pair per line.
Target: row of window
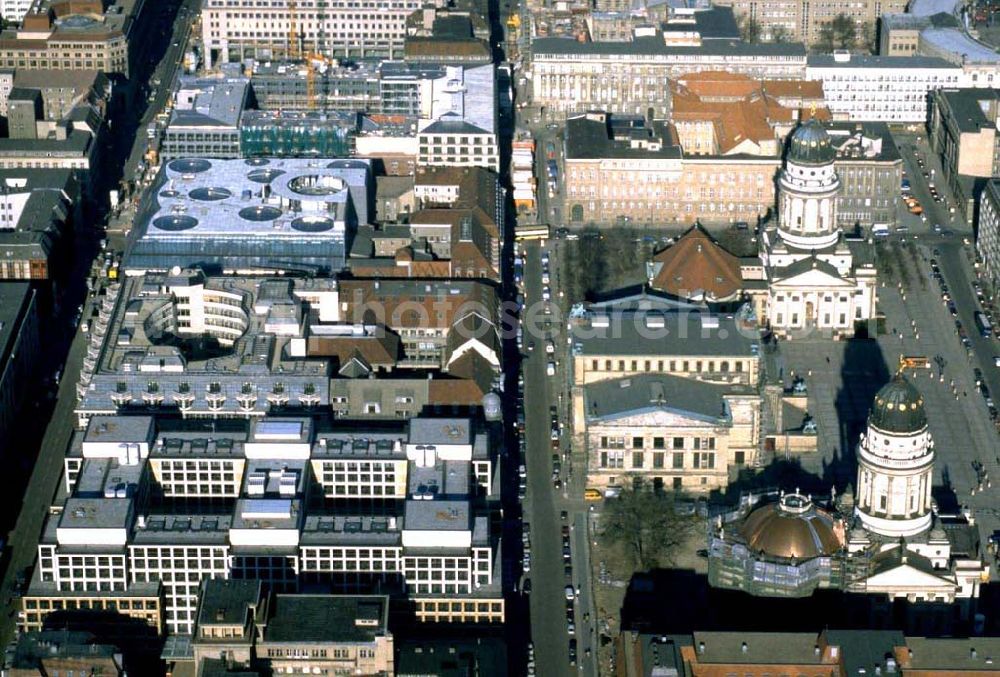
700,460
669,366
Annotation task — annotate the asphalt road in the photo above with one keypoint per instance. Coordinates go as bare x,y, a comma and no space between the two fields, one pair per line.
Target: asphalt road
547,605
543,505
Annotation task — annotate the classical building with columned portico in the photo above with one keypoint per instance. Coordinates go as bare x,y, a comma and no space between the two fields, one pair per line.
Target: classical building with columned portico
818,279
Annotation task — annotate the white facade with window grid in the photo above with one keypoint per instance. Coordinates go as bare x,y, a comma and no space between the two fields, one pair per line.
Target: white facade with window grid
264,502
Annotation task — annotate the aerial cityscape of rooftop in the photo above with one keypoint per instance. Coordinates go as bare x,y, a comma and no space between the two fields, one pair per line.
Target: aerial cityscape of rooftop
500,338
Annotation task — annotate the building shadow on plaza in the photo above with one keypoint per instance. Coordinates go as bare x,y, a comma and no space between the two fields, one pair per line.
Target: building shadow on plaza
678,601
863,372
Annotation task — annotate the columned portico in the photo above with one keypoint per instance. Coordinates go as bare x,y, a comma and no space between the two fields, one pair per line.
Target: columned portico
813,279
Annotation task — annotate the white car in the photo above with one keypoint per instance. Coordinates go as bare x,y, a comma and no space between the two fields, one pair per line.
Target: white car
550,368
546,294
550,348
545,278
570,593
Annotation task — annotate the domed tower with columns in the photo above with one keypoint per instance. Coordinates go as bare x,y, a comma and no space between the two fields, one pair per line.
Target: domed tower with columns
896,464
808,188
814,279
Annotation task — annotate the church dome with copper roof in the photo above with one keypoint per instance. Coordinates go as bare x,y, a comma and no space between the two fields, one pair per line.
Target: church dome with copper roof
793,528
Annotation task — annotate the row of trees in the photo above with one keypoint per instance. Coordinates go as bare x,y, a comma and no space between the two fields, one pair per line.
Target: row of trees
840,33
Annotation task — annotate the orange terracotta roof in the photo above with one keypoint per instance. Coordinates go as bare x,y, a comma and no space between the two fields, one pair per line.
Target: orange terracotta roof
734,122
807,89
696,262
715,84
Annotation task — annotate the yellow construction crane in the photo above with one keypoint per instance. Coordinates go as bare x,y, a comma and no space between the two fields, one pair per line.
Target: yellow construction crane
312,60
310,85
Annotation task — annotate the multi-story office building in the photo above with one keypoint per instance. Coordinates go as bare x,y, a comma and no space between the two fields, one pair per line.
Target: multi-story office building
70,35
471,200
19,352
241,347
234,31
804,19
963,131
63,652
13,11
619,170
240,624
298,134
203,346
440,323
64,90
899,34
279,502
254,215
570,77
369,86
988,232
893,89
38,208
458,123
870,169
285,86
829,653
205,120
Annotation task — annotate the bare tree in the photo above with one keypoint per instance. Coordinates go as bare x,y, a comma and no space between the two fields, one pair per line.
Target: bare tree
644,526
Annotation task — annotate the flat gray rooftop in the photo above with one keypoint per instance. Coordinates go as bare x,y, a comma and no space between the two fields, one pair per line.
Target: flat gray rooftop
209,102
437,515
680,333
117,429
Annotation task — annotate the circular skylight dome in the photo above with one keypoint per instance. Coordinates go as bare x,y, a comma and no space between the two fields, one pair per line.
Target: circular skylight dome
209,194
312,224
316,185
190,165
77,22
175,222
264,175
257,161
260,213
347,164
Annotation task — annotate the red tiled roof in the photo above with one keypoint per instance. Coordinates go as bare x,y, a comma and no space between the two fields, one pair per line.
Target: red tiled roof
696,262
